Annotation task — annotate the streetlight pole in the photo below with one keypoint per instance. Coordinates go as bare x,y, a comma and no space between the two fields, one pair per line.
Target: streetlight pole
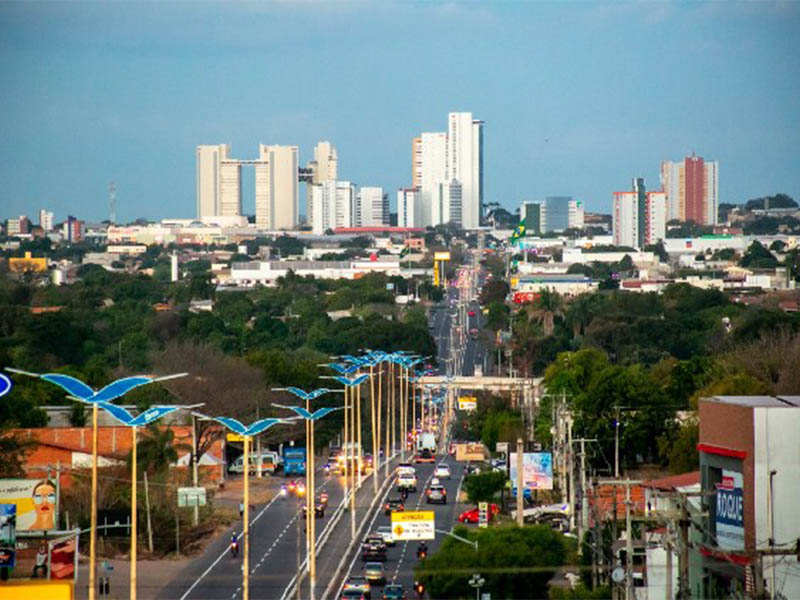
93,516
374,434
134,538
246,523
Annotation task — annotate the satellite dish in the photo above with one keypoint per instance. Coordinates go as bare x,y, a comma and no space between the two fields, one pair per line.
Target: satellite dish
618,575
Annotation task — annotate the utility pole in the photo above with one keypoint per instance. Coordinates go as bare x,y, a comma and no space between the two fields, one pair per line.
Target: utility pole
583,523
520,492
627,483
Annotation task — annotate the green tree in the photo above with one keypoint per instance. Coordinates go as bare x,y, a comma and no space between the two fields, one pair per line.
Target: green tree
156,449
483,487
14,450
758,257
518,562
545,310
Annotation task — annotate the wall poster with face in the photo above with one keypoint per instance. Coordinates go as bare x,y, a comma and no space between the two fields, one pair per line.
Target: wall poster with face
36,502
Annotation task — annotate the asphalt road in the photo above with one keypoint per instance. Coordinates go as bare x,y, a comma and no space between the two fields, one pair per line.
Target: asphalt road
402,558
273,551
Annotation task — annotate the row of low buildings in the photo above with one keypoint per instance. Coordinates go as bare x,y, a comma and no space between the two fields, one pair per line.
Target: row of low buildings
731,529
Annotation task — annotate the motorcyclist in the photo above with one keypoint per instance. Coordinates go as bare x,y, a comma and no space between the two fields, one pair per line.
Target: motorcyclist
422,550
234,544
419,588
284,490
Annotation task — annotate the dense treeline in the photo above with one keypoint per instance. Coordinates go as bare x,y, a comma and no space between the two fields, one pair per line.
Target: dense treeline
108,324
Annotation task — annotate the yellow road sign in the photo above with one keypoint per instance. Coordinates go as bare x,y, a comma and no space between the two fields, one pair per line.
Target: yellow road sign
413,525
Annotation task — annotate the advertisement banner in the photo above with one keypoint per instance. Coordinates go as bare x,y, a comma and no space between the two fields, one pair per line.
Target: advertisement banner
470,452
62,558
537,470
35,500
730,511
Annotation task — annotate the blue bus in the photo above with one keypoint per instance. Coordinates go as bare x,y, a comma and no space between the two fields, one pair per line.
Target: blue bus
294,460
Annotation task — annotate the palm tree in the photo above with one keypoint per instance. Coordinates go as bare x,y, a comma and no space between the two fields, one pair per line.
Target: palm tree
157,450
545,309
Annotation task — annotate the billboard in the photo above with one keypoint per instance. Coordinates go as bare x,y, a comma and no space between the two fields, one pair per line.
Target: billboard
35,500
537,470
470,452
730,511
62,557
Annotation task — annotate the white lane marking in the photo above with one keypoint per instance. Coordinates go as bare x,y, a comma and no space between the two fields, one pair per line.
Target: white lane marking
224,552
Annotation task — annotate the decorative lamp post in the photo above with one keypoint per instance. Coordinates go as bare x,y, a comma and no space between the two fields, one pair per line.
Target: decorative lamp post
247,432
311,508
350,383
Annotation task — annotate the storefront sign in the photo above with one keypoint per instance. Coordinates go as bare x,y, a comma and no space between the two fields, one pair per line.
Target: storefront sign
730,511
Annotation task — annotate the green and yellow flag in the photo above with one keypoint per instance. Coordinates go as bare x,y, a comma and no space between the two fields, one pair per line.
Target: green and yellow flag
518,232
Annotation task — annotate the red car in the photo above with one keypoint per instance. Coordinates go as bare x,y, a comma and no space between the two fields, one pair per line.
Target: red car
471,313
471,516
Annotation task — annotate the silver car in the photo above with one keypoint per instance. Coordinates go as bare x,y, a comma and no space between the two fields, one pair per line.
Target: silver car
385,531
436,493
442,471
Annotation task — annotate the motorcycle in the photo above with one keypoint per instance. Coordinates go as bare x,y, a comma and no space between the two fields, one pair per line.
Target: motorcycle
284,491
323,498
234,548
422,552
327,469
420,589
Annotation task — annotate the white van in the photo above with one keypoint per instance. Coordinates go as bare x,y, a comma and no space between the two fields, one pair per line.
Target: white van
270,461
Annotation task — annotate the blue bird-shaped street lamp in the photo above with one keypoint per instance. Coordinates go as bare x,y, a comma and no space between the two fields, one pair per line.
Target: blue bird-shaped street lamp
152,414
316,415
352,381
249,430
343,369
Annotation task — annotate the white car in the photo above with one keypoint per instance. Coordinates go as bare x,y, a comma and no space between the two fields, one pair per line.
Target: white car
406,468
385,531
435,481
407,481
442,471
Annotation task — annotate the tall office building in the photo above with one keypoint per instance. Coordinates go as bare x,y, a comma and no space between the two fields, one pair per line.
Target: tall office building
416,162
439,159
333,203
432,173
219,182
45,219
535,216
465,164
372,207
447,203
276,187
324,168
691,188
575,219
639,217
408,207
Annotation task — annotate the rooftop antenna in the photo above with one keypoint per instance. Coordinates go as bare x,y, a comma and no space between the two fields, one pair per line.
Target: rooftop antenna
112,203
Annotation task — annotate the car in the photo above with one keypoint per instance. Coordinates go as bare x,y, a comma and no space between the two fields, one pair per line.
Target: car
357,583
435,481
353,594
373,571
436,493
471,313
407,481
385,531
394,505
471,469
373,548
406,467
473,333
442,471
424,456
394,591
473,515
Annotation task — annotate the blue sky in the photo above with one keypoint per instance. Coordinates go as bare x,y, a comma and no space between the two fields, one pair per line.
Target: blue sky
577,97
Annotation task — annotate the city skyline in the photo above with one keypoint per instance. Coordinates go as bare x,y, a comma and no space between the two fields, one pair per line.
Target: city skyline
125,93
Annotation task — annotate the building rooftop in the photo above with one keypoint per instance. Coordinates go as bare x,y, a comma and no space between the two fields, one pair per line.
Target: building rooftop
758,401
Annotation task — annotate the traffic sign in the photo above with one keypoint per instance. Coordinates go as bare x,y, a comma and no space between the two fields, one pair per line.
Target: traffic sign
191,496
234,437
413,525
483,514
